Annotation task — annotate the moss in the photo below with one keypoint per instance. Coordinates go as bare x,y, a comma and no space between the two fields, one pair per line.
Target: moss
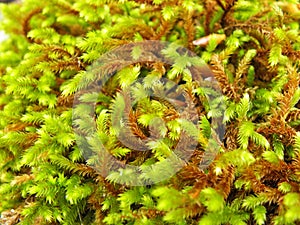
150,112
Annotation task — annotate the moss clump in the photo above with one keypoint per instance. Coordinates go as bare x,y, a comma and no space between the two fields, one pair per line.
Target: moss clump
56,165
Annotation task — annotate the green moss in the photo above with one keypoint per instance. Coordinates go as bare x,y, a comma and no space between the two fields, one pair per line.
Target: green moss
72,153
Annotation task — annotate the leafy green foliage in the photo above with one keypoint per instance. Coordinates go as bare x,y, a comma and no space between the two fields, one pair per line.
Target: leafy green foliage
254,178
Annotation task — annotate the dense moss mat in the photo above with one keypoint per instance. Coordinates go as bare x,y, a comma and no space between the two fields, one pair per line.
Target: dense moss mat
252,49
